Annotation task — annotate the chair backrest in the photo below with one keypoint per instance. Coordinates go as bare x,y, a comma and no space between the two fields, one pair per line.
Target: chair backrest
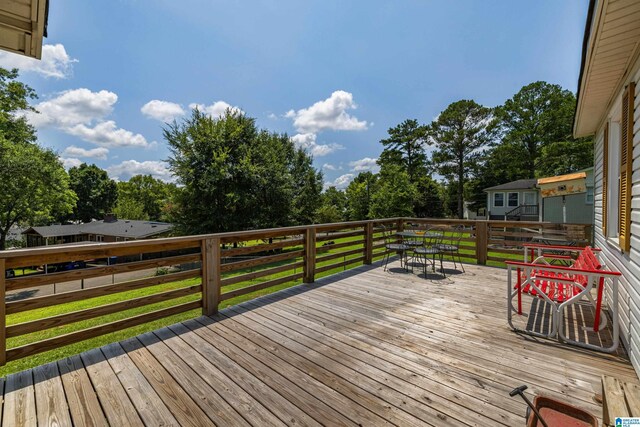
433,237
586,260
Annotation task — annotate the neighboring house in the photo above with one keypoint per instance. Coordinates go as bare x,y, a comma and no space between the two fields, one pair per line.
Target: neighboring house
567,198
560,199
108,230
608,108
506,200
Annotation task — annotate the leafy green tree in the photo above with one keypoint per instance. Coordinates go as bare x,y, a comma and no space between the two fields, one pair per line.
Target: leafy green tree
429,201
459,134
33,184
334,206
539,114
144,190
129,207
327,214
14,99
394,194
405,147
563,157
97,193
307,187
358,196
234,176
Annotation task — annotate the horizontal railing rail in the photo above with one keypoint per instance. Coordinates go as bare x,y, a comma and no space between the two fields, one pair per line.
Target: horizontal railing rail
101,288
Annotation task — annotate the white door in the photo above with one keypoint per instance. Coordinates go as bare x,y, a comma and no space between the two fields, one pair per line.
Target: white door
530,198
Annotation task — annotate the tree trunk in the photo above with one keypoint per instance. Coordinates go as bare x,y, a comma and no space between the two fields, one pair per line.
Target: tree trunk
3,240
460,189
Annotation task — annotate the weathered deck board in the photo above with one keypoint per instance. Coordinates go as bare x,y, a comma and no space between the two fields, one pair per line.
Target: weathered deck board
361,347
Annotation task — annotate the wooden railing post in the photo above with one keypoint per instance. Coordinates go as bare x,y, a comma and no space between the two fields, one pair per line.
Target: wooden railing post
211,255
400,224
368,243
482,241
3,315
309,255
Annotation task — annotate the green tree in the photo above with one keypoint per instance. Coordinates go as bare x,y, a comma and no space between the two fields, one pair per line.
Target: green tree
307,187
334,206
394,194
150,193
429,200
539,114
97,193
129,207
563,157
33,184
14,99
405,147
459,134
234,176
358,196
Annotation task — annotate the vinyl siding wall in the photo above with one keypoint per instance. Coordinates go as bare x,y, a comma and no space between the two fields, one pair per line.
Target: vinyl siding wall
627,263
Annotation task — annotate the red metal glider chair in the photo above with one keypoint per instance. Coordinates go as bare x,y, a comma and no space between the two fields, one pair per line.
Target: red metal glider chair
563,285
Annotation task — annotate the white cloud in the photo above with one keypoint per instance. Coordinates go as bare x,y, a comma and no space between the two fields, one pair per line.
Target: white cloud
55,62
307,141
129,168
162,110
83,113
107,134
329,167
96,153
328,114
74,107
340,182
69,163
365,164
216,109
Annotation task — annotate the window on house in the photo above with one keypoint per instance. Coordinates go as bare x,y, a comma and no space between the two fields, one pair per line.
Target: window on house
588,198
513,199
617,171
498,200
613,178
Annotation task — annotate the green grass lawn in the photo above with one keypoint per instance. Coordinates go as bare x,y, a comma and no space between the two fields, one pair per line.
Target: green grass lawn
133,331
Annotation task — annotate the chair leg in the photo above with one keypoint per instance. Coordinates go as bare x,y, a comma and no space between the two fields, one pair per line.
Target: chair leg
461,264
385,260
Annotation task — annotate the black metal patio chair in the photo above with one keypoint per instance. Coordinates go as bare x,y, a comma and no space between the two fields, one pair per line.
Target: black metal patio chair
453,247
430,250
392,243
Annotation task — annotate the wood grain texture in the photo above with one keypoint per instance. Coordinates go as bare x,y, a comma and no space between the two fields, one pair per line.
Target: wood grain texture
90,313
51,402
66,297
362,347
83,402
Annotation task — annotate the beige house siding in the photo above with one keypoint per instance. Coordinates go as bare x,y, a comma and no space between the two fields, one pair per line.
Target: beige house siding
613,257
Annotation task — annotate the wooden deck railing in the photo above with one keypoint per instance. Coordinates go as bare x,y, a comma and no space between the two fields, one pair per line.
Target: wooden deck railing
205,272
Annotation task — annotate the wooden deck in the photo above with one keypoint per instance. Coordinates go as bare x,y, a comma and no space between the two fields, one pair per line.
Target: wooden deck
364,347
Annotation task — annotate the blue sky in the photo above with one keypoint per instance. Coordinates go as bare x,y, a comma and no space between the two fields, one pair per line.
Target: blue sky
334,75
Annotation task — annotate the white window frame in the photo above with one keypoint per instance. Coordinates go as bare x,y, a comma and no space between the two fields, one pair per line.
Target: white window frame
494,200
517,193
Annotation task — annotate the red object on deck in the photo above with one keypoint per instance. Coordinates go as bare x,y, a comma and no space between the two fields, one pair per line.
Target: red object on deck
560,414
